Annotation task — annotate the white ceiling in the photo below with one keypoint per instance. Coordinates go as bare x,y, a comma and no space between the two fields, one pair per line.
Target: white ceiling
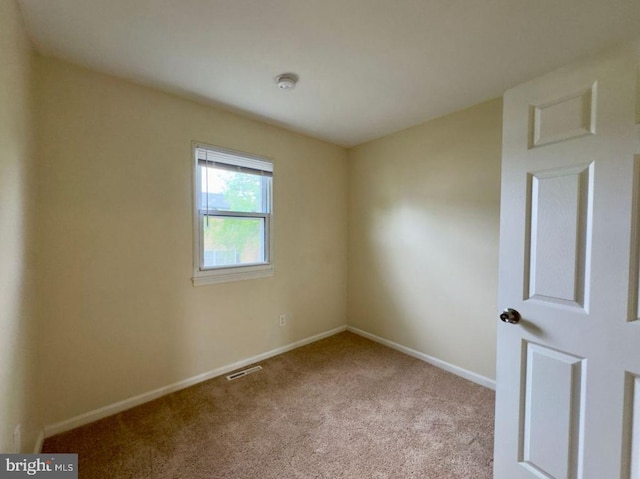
367,67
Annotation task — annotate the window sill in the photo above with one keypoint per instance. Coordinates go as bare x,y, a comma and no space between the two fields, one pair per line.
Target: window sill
226,275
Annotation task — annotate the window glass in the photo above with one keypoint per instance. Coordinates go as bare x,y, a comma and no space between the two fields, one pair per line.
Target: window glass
230,241
232,191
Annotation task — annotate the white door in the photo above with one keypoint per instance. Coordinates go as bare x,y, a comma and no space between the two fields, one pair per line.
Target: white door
568,374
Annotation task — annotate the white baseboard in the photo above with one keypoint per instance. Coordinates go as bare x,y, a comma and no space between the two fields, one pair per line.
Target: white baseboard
39,441
464,373
91,416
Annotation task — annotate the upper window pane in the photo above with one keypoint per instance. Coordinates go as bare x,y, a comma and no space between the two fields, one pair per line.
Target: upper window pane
226,190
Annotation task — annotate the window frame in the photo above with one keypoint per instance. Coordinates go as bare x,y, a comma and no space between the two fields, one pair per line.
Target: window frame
202,275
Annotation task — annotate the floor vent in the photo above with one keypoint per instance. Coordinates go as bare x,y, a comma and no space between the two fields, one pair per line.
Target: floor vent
244,372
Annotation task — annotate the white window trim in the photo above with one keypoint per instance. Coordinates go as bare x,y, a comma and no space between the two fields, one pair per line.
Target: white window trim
232,273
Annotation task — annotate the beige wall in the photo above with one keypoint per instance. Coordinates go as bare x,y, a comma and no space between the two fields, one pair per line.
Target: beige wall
17,325
423,237
119,314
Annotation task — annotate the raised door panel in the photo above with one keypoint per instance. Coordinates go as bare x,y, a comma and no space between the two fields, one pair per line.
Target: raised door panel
552,413
568,117
559,229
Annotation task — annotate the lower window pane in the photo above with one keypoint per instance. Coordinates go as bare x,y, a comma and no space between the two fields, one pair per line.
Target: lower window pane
233,241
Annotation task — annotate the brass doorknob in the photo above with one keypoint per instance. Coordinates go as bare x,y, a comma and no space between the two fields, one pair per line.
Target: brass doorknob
510,316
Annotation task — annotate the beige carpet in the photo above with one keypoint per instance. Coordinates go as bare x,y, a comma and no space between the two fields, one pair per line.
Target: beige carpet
343,407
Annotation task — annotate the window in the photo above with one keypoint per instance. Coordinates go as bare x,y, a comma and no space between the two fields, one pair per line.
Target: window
232,215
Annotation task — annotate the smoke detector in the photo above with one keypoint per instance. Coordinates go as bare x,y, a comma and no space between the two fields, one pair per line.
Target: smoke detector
287,81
